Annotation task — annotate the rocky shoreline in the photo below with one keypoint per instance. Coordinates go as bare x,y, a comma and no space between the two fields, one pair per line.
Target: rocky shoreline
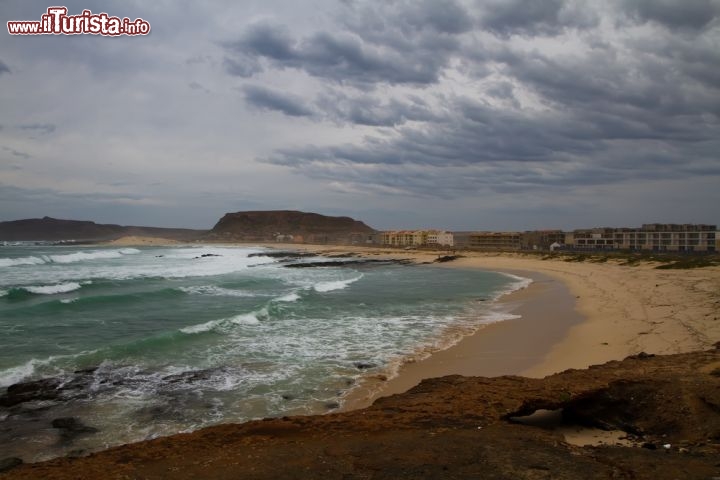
666,409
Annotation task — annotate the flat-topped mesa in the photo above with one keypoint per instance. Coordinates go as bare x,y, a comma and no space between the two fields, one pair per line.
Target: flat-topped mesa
290,226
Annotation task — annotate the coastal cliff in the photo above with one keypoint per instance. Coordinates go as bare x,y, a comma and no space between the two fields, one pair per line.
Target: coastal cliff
289,225
663,410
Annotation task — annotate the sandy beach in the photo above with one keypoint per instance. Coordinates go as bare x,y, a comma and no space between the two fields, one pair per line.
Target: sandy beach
575,314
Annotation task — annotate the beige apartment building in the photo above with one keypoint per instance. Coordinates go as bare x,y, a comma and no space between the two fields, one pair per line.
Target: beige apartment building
494,240
440,237
652,236
541,239
416,238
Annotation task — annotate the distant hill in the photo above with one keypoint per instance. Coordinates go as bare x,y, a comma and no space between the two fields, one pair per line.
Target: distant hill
53,229
289,225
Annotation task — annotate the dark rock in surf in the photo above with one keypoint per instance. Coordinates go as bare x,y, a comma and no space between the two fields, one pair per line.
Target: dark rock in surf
71,427
447,258
52,388
44,389
364,365
287,255
190,377
9,463
349,263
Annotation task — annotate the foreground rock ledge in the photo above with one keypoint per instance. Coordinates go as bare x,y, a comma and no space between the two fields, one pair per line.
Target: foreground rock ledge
457,427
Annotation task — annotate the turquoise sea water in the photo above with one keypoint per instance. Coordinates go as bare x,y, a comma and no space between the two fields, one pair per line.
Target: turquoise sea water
170,339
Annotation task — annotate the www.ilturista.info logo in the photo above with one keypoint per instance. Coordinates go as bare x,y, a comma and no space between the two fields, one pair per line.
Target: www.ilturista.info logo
57,22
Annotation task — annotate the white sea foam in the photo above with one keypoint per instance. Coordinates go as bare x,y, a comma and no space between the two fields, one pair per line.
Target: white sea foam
247,318
202,327
323,287
497,316
290,297
130,263
23,372
216,291
3,293
53,289
518,284
17,374
11,262
92,255
252,318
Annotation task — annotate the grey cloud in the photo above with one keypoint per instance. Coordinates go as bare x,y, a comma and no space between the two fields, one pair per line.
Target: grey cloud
16,153
384,44
39,128
530,17
444,16
199,59
339,57
501,90
268,40
653,101
482,148
607,115
685,14
697,57
371,111
4,68
198,86
241,66
267,99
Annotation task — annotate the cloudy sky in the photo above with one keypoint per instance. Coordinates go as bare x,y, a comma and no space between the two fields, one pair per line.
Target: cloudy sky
476,114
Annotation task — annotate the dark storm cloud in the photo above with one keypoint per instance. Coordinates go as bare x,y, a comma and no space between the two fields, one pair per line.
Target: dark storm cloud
685,14
444,16
343,58
393,42
614,112
478,146
649,95
241,66
4,68
267,99
530,17
371,111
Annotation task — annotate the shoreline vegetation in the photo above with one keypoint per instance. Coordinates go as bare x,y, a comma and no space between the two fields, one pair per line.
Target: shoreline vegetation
580,310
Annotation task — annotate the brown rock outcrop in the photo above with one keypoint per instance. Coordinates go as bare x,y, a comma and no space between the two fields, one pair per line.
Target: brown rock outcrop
457,427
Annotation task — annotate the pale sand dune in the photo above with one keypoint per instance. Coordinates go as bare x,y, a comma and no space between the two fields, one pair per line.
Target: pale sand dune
135,240
626,310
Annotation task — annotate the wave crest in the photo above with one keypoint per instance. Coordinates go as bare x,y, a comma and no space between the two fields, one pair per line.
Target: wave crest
53,289
323,287
92,255
12,262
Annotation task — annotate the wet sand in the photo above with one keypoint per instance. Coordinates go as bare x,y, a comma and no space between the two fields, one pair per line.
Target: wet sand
510,347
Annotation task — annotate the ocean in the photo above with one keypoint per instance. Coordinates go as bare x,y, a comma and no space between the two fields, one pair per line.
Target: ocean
151,341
